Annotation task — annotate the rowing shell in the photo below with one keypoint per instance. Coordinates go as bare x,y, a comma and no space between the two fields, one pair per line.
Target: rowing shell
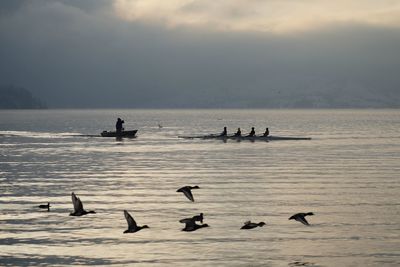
251,138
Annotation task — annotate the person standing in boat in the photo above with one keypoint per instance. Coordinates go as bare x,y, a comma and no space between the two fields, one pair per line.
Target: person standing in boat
224,132
252,132
118,125
238,133
266,132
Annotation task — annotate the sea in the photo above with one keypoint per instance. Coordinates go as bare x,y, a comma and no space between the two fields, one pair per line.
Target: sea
348,175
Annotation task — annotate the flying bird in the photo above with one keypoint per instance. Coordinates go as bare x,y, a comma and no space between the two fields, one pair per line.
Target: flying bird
78,207
300,217
196,218
132,226
45,206
191,225
250,225
187,191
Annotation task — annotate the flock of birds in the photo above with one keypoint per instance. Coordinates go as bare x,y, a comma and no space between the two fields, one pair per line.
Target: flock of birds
190,223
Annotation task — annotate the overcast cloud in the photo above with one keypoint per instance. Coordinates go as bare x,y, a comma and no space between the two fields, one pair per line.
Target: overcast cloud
240,53
280,16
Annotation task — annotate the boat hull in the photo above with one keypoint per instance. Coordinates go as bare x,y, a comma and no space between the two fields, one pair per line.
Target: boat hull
127,134
250,138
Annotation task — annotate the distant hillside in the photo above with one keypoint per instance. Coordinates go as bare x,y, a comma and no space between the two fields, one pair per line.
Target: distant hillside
12,97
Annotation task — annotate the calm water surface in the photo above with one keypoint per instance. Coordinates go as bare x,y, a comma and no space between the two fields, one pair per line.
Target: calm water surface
348,175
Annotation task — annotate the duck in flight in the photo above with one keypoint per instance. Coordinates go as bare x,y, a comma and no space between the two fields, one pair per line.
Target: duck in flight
191,225
78,207
187,191
300,217
45,206
132,226
251,225
196,218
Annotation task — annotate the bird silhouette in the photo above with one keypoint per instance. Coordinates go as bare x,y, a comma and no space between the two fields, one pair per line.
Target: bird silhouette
251,225
78,207
132,226
187,191
196,218
190,225
45,206
300,217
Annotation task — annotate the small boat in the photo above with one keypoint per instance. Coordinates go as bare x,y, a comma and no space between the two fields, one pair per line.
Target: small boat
243,137
128,134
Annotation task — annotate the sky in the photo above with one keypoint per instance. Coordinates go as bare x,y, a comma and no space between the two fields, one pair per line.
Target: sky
203,54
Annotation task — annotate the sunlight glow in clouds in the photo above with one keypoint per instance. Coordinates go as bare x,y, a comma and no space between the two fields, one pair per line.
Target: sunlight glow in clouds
279,16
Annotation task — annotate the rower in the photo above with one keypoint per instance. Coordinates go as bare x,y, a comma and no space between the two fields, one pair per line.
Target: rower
238,133
118,125
224,132
266,132
252,133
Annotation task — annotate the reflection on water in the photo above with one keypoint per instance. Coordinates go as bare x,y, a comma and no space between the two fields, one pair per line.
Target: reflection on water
53,260
347,176
300,263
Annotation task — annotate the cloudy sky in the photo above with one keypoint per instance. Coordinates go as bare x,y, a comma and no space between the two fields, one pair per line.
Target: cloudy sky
203,53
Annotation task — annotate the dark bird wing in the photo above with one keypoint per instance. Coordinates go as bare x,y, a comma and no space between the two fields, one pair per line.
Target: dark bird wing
302,220
78,206
188,193
247,222
190,225
129,219
186,220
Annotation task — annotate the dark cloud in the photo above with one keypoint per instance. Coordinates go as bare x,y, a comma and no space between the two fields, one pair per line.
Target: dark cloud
75,54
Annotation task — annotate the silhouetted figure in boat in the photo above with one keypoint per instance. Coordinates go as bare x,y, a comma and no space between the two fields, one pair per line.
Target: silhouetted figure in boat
238,133
252,132
266,132
224,132
118,125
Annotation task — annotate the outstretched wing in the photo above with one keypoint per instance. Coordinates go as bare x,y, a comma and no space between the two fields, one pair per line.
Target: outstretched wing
302,220
186,220
188,193
129,219
78,206
190,224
